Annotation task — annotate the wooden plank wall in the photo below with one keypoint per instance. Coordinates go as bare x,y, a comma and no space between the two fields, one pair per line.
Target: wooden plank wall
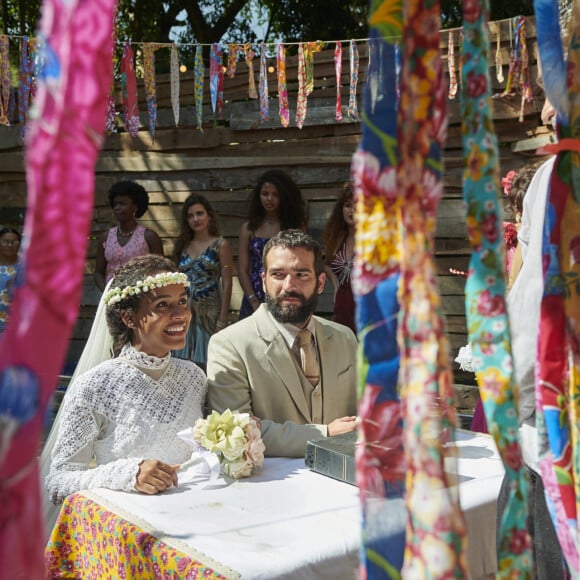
224,161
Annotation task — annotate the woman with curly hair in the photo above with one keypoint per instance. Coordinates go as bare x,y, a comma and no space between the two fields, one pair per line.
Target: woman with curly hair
128,239
206,258
276,204
118,423
339,247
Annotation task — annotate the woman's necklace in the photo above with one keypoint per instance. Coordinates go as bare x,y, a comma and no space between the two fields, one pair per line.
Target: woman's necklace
125,234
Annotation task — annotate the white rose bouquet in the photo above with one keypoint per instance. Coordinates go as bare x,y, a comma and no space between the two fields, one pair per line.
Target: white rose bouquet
235,438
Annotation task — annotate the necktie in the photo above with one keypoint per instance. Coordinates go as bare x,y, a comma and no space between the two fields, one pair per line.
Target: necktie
308,358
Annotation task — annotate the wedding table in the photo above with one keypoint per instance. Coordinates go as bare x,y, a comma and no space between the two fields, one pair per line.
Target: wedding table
284,522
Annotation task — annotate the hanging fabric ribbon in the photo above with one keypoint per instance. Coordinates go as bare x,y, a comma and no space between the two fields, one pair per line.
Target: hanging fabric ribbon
25,83
129,89
515,67
263,85
451,65
301,101
73,81
198,74
309,49
525,84
558,369
486,313
149,49
498,65
427,393
232,59
110,126
220,89
380,460
338,71
284,109
354,63
174,81
5,80
249,55
215,65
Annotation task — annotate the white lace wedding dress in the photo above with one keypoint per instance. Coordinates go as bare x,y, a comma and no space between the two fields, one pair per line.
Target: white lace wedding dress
123,411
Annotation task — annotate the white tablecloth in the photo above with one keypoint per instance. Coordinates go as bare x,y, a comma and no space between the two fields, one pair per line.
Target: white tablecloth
289,522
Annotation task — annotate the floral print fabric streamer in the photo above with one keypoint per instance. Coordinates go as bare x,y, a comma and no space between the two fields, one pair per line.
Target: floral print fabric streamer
263,85
198,73
249,55
73,82
451,65
129,89
338,70
174,80
354,64
283,107
5,81
558,369
380,459
149,49
485,287
302,101
25,82
232,59
215,65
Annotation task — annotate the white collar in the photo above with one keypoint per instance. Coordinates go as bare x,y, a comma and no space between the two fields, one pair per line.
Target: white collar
290,331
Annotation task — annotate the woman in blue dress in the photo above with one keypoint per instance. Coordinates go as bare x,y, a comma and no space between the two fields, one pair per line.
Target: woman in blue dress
276,204
9,246
207,260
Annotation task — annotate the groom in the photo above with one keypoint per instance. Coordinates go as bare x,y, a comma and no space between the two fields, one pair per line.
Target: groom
254,366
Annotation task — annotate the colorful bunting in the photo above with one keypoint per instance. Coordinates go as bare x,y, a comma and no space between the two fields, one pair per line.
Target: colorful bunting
5,80
338,71
301,101
129,89
284,110
233,59
354,62
487,320
198,73
215,66
263,85
249,55
174,80
149,49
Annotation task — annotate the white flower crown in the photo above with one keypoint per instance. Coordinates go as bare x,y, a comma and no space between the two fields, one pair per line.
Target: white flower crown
116,295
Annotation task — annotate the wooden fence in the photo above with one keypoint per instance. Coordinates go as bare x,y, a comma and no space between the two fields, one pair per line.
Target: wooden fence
224,161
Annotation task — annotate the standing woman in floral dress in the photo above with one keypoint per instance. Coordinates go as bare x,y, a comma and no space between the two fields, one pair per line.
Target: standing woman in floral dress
276,204
9,246
206,258
339,246
128,239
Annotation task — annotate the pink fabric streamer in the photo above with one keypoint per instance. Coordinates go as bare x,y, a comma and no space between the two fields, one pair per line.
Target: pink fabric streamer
129,87
263,85
338,69
72,91
282,88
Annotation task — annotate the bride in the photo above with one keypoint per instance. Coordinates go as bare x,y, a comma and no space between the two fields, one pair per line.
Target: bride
118,421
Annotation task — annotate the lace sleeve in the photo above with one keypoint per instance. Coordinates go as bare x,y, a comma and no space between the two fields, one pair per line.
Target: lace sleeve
73,452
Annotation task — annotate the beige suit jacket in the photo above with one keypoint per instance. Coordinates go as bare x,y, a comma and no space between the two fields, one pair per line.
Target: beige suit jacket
250,369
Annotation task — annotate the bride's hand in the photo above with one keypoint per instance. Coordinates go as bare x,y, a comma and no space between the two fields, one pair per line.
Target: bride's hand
155,476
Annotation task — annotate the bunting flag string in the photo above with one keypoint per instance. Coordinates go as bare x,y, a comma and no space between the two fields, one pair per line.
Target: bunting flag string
232,59
301,102
283,107
354,64
129,89
558,369
215,66
174,81
498,65
451,65
249,55
198,74
149,82
338,71
487,321
4,80
26,84
263,85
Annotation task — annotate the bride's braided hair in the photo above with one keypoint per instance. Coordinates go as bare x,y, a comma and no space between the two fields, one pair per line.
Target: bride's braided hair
128,275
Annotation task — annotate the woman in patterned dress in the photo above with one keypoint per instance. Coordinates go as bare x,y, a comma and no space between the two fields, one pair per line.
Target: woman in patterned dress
276,205
206,258
339,246
9,246
128,239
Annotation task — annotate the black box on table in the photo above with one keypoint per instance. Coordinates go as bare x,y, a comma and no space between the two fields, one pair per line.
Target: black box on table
333,456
